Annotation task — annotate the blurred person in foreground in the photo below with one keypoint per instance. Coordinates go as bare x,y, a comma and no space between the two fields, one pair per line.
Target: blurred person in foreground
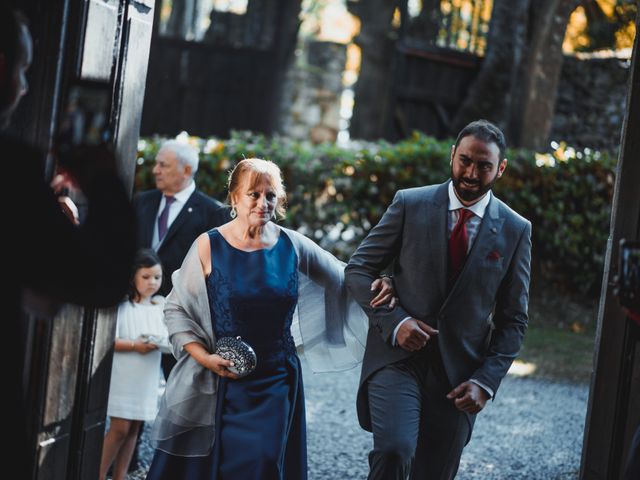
632,466
45,254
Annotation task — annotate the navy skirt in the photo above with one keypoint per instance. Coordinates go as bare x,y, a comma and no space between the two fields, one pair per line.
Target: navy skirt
260,431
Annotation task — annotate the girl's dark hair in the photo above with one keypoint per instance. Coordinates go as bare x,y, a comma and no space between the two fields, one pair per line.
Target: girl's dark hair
145,258
11,22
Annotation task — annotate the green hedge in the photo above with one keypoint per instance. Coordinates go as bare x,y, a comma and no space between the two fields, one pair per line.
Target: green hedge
337,194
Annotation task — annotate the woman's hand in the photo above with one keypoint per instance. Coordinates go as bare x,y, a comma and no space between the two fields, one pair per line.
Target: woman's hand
386,295
60,186
210,361
219,366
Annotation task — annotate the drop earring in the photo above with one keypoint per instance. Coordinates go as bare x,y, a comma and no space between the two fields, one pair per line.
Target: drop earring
233,213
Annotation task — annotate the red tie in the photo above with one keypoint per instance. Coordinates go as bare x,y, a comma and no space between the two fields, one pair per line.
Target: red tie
458,244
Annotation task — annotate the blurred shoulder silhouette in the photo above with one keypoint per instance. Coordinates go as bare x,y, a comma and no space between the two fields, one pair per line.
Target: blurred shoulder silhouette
86,262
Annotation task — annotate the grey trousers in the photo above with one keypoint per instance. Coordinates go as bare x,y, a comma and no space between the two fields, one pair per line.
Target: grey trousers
417,432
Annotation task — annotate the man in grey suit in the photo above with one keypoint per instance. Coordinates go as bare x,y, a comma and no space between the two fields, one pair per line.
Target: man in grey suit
461,267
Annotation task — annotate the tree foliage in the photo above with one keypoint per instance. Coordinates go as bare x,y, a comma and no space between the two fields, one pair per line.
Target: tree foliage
337,194
602,25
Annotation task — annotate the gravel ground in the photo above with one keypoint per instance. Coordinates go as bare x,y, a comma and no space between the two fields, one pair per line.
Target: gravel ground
533,430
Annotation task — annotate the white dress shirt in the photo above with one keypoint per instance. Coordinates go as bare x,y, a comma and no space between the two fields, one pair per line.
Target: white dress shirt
174,209
473,225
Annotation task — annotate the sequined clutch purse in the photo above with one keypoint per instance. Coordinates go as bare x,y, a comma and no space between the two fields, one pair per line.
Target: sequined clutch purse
239,352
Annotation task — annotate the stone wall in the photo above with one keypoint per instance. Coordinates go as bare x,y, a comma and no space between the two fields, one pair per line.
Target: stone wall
589,111
591,101
311,103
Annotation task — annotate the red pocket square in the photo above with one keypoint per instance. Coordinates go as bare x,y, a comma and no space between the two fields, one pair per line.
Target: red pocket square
495,256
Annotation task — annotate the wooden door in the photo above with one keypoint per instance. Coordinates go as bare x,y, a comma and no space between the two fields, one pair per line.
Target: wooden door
67,362
230,79
614,400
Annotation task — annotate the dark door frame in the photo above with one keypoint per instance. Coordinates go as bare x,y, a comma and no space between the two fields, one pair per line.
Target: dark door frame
67,359
613,410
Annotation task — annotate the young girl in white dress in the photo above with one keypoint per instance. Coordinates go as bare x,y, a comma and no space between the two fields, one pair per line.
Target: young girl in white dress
133,393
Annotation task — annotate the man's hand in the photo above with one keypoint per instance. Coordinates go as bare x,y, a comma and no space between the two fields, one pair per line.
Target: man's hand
468,397
633,315
414,335
82,165
69,209
386,293
60,184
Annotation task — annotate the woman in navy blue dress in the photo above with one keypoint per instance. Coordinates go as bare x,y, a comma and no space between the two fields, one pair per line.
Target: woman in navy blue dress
213,424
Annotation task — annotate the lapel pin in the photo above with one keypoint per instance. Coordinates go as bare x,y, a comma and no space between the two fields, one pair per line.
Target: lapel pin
494,230
190,210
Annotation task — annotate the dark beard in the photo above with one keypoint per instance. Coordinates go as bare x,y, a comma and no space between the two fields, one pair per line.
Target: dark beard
470,196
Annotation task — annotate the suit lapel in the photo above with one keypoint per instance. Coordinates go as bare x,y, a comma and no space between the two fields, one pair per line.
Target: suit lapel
485,242
437,237
184,214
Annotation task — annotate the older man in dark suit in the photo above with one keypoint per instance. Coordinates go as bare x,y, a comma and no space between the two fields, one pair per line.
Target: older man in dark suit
461,267
171,216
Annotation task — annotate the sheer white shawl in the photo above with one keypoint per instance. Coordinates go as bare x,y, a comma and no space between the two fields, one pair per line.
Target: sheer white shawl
329,328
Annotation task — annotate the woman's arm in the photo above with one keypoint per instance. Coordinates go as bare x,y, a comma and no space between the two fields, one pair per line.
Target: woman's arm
186,311
200,354
210,361
204,252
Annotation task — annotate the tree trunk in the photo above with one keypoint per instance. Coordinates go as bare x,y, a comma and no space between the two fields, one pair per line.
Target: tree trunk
516,87
535,89
489,95
182,18
376,41
426,24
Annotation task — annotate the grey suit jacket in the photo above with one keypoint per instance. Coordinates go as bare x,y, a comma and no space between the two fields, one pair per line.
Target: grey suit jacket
482,318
